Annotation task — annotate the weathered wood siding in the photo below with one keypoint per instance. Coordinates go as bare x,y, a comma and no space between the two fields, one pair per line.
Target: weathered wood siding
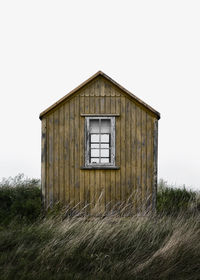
63,152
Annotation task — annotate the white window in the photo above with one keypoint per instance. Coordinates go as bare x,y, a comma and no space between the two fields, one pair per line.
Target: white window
100,141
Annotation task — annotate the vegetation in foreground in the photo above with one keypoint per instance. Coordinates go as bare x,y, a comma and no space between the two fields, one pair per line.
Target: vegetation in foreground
150,247
20,199
110,248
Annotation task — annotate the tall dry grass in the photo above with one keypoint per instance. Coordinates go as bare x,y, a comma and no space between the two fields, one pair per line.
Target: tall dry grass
151,247
64,245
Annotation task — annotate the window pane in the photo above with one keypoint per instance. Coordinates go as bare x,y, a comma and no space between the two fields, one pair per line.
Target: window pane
94,126
94,137
94,153
105,153
105,138
104,160
95,146
94,160
105,126
105,146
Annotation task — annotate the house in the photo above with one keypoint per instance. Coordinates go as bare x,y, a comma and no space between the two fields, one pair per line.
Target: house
99,149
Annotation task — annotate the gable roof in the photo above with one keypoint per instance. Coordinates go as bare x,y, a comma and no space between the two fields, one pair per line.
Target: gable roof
99,73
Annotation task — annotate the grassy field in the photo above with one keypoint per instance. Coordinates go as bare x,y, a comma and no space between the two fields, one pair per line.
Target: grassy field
165,245
111,248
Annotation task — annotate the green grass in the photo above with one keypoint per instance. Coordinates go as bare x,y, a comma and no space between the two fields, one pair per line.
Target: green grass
165,245
20,199
175,200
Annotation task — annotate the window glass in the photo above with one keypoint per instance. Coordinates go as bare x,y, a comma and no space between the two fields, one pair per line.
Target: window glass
94,153
104,146
95,146
104,160
95,138
105,126
105,138
94,126
94,160
105,153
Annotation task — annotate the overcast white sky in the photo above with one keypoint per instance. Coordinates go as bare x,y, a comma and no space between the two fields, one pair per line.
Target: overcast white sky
152,48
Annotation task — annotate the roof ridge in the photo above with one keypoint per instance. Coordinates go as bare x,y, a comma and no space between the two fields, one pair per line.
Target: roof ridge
89,80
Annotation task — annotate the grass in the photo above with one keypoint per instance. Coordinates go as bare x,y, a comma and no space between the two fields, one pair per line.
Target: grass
157,246
152,247
173,200
20,198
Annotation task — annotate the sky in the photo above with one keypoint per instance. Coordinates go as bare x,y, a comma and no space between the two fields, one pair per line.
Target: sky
152,48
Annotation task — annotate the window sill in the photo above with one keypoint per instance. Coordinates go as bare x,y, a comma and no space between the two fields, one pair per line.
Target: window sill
99,167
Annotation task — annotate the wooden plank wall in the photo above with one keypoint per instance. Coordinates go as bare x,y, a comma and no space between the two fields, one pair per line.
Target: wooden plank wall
98,191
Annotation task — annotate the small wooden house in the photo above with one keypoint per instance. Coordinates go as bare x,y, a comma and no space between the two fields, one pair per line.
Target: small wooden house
99,149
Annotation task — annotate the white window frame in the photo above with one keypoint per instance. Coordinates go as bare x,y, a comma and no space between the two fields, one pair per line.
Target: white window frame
87,140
